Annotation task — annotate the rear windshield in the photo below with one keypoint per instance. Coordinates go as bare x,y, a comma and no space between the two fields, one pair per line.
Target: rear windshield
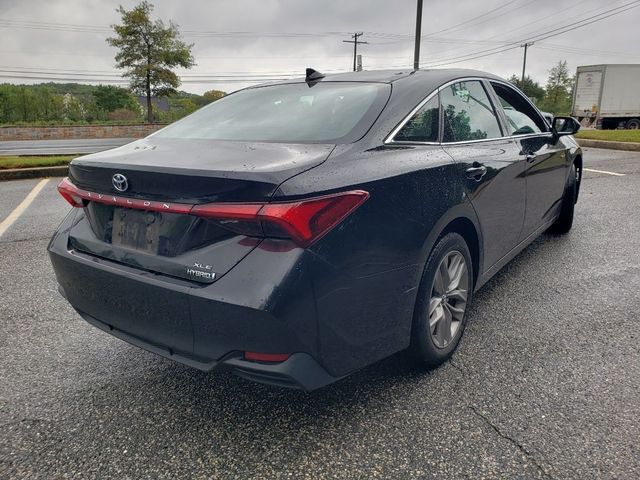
331,112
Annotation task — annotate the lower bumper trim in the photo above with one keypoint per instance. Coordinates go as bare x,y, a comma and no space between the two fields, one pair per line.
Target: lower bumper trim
299,371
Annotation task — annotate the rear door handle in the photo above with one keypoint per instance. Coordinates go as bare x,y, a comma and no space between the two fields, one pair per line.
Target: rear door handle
476,173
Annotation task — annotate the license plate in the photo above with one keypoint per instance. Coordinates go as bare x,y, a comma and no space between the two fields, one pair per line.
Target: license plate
136,229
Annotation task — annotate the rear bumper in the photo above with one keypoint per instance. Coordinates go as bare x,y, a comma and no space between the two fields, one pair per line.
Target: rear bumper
299,371
205,327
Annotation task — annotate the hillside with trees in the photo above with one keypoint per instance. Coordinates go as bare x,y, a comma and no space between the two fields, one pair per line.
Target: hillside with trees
74,103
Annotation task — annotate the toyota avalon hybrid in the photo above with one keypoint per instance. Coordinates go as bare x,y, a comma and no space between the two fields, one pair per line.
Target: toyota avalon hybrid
296,232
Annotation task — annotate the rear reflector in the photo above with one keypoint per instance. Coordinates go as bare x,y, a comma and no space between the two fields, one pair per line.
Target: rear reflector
303,221
266,357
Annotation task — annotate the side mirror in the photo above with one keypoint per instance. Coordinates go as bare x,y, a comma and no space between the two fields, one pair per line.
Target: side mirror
562,126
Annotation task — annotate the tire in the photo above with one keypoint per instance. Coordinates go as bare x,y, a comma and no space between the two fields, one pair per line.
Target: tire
431,342
564,221
633,124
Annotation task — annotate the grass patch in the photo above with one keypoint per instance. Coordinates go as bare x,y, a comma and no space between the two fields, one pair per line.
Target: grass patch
35,161
610,135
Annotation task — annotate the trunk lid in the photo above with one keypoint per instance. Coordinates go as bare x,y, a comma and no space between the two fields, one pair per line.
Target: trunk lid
176,171
195,170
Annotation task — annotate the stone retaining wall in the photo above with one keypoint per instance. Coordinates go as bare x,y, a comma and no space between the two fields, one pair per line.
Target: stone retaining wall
77,131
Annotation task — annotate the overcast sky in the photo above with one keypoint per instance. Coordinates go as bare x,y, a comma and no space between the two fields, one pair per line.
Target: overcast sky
241,38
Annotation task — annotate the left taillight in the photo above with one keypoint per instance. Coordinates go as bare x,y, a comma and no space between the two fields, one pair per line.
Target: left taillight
303,221
70,193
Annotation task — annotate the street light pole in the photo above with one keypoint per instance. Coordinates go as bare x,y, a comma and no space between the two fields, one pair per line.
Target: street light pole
416,51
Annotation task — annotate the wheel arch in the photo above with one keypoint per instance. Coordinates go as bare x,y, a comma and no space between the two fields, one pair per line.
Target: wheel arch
577,161
465,227
460,219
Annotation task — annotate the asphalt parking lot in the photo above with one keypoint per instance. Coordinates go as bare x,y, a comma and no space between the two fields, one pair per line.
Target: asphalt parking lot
545,384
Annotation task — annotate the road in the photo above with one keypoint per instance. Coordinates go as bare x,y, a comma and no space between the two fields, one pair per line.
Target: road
545,384
61,147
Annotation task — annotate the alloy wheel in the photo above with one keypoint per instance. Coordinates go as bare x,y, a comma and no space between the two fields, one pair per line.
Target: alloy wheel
448,300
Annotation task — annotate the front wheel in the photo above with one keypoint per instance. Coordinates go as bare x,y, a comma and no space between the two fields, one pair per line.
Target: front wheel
445,292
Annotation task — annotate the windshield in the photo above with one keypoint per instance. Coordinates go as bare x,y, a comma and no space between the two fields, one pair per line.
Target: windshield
327,112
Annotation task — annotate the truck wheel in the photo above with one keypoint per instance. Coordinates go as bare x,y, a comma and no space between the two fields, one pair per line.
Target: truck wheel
565,219
445,293
633,124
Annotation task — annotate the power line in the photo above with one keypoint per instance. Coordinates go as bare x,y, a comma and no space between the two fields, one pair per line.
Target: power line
528,24
540,36
492,18
503,46
502,33
124,81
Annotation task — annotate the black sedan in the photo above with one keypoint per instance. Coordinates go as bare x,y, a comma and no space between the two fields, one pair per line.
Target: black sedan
297,232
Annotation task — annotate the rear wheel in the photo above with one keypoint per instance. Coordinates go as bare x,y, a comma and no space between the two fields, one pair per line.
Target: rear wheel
445,293
633,124
565,220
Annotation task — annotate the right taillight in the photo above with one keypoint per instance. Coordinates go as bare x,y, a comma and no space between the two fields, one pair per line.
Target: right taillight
304,221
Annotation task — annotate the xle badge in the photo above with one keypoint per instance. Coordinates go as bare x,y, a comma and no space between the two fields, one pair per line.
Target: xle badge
200,270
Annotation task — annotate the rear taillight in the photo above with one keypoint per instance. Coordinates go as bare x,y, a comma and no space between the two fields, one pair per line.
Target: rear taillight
303,221
70,193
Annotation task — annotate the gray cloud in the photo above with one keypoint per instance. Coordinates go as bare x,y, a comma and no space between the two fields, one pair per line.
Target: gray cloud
256,51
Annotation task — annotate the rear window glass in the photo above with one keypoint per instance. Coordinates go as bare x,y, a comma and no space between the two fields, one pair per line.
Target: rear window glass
329,112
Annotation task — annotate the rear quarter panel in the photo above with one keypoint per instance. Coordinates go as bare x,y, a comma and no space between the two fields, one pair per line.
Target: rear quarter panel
367,270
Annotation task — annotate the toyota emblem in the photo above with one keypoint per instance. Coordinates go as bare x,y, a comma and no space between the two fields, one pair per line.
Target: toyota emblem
120,182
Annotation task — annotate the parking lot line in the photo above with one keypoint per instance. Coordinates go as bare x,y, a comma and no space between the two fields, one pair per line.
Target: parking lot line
604,171
19,210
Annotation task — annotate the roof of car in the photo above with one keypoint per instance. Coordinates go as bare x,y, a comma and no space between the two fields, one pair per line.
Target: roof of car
389,76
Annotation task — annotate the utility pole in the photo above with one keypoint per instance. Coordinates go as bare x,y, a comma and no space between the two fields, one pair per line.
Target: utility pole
524,63
355,42
416,51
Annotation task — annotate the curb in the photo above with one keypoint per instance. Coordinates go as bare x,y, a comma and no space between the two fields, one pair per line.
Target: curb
36,172
630,146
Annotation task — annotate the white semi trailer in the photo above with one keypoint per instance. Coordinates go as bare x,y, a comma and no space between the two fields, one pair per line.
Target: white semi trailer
608,96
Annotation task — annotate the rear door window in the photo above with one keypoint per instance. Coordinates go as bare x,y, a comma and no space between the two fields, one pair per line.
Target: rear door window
468,113
423,126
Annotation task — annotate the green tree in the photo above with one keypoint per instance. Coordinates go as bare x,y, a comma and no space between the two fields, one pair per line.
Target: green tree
211,96
27,105
178,108
148,51
530,88
7,103
558,89
110,98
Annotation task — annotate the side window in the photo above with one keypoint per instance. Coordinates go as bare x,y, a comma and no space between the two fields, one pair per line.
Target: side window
423,126
521,116
468,113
